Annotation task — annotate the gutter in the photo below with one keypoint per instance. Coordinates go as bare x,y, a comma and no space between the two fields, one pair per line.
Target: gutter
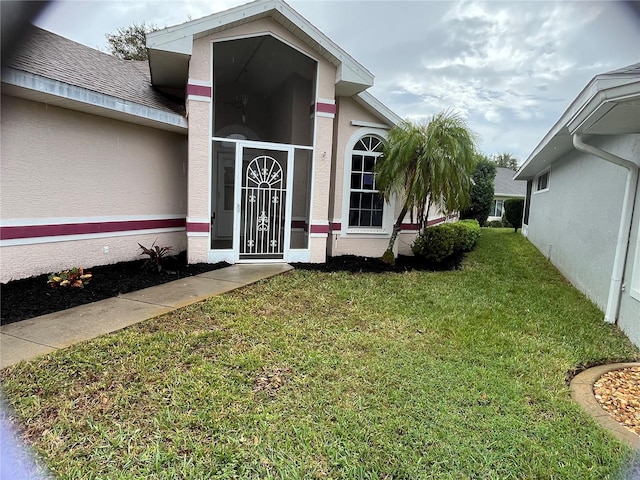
624,232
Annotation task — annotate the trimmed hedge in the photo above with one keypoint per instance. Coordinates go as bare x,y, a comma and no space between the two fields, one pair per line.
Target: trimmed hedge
513,211
436,244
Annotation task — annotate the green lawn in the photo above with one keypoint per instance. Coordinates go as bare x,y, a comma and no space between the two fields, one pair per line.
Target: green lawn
309,375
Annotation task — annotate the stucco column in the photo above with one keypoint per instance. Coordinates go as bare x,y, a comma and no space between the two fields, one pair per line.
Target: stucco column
319,229
198,176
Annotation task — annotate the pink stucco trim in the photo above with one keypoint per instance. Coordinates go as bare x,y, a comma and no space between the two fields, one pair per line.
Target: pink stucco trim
319,229
323,108
36,231
199,90
197,227
409,227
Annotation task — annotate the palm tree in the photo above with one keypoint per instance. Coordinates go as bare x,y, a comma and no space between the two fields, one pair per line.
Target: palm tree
506,160
424,164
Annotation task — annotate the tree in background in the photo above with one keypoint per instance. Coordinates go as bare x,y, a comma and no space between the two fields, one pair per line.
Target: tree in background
482,191
506,160
513,211
429,162
130,43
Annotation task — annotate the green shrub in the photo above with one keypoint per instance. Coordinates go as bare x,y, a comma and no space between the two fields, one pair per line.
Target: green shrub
482,191
468,234
495,224
436,244
513,210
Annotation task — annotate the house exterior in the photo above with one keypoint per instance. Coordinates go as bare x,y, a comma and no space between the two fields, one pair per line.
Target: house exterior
582,207
505,187
248,136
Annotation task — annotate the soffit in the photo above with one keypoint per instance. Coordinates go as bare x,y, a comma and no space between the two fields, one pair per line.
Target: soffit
351,76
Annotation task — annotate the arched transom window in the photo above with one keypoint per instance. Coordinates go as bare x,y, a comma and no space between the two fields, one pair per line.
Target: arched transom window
365,203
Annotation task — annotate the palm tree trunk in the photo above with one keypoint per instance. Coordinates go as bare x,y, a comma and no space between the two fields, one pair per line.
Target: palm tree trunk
388,256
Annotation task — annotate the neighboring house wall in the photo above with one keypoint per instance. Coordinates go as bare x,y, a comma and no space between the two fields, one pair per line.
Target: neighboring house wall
575,222
66,172
629,317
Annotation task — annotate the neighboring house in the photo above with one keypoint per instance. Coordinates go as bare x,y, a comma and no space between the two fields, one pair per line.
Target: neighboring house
582,208
248,136
505,187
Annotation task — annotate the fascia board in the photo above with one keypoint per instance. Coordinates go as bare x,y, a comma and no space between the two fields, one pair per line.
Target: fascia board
578,104
587,108
179,38
376,107
116,107
601,103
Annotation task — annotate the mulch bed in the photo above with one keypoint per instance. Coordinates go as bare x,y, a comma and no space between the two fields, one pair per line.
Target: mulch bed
32,297
355,264
618,392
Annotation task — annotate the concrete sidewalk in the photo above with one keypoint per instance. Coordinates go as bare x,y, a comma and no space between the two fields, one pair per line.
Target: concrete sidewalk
41,335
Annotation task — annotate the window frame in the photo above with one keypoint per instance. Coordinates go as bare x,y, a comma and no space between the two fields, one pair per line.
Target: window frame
536,182
387,208
493,207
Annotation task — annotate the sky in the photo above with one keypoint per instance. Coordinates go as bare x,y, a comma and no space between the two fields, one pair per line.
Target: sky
510,69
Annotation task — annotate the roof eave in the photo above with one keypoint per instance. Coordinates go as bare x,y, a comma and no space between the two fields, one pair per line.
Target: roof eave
351,75
38,88
376,107
592,104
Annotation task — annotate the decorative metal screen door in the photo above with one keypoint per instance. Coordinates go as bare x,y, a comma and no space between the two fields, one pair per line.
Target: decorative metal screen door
263,204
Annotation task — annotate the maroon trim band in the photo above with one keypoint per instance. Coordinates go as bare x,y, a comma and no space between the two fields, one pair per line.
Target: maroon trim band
409,227
435,221
323,108
197,227
319,229
200,90
37,231
336,227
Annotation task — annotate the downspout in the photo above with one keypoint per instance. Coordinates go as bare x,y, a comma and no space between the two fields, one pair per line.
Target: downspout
624,232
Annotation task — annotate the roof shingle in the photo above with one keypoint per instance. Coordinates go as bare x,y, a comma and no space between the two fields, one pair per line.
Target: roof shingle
505,185
58,58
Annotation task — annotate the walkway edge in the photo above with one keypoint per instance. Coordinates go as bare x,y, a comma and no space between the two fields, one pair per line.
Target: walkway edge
582,392
42,335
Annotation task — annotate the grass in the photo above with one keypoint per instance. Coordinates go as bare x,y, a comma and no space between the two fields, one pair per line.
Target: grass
445,375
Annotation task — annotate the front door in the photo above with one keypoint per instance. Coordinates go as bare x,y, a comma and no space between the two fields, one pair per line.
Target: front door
264,229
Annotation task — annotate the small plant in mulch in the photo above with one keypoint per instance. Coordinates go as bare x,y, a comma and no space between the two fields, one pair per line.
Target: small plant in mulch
157,255
74,277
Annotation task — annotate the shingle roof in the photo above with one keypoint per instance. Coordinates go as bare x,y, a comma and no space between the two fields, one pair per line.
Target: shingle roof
629,69
505,185
58,58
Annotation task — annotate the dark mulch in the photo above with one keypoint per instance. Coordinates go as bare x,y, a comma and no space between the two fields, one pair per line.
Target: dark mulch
32,297
355,264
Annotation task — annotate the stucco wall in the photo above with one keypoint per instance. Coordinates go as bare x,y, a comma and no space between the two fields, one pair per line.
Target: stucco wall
629,316
575,223
200,70
59,164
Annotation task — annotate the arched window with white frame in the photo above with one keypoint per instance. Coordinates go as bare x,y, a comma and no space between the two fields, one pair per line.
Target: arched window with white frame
366,205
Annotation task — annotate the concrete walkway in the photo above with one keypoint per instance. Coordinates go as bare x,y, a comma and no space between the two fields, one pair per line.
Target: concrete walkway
41,335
